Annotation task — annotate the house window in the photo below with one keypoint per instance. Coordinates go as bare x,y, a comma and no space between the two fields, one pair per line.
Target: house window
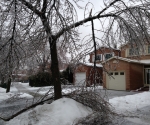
133,51
137,51
98,57
108,55
116,73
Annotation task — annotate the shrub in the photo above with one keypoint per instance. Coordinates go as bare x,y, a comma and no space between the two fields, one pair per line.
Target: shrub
4,85
40,79
67,76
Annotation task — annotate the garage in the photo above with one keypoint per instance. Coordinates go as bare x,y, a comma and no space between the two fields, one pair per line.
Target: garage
80,78
117,81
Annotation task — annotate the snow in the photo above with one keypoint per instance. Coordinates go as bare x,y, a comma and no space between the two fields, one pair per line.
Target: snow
129,60
4,95
13,92
2,90
90,64
67,111
25,95
145,61
131,102
64,111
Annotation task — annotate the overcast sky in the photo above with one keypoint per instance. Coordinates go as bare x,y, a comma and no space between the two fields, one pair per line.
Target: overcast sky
97,6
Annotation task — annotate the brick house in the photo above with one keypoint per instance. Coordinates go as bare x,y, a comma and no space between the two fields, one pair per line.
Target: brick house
103,53
128,72
84,72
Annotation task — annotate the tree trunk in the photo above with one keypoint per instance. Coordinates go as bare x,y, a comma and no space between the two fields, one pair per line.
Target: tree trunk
8,85
55,69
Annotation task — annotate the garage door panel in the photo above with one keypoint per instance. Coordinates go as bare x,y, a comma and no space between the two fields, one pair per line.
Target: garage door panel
80,78
117,81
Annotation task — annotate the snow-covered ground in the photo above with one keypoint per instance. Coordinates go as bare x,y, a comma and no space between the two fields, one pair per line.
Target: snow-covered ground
67,111
64,111
131,102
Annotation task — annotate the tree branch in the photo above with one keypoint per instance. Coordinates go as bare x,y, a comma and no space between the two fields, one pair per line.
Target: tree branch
74,25
44,7
32,8
112,3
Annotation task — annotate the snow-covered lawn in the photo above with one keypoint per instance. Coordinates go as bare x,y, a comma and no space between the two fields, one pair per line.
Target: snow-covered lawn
67,111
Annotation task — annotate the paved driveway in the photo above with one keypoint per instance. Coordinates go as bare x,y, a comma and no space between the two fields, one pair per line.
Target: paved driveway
109,94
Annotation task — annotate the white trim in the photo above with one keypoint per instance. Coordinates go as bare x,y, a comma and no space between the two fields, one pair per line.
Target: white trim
93,58
127,52
129,60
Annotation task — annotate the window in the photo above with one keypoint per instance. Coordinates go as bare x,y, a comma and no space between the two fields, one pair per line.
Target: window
111,73
108,55
98,57
130,52
121,73
133,51
116,73
136,51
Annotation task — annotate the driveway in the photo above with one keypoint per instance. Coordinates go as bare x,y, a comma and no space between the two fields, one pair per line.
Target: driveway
109,94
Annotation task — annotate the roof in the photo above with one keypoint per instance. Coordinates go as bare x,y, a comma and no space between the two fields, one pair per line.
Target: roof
146,62
90,64
104,47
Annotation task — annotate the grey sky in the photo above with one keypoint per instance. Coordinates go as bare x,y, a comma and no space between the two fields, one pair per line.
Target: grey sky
97,6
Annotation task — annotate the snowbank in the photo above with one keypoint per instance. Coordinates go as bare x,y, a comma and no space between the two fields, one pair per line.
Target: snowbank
131,102
4,95
61,112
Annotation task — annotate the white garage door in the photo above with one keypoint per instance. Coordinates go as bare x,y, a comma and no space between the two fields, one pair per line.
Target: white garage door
117,82
80,78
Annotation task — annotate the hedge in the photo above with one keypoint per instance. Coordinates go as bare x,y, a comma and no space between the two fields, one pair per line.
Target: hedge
40,79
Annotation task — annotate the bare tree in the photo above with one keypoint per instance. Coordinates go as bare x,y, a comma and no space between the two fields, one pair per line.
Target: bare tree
56,22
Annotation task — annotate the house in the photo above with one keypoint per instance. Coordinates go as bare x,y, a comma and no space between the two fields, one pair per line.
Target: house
103,53
85,73
131,71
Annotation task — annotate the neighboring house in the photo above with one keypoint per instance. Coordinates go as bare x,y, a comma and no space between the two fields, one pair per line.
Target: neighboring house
84,72
131,71
135,52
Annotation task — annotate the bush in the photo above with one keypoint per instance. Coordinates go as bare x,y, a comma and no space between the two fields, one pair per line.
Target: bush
41,79
67,76
4,85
